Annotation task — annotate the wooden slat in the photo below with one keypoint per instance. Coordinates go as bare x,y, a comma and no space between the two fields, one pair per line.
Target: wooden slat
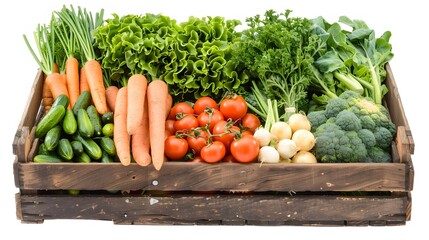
216,209
180,176
396,109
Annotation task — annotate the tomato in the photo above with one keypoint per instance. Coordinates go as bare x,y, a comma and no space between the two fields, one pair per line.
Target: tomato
245,149
169,126
247,133
234,107
210,117
213,152
229,158
250,121
175,148
197,159
186,123
223,127
197,140
204,102
180,107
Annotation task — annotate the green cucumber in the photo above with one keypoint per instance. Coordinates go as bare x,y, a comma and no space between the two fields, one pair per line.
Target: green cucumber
52,138
95,119
50,120
82,102
106,158
107,118
69,122
65,150
107,144
42,158
77,147
84,125
43,151
108,129
90,146
83,158
61,100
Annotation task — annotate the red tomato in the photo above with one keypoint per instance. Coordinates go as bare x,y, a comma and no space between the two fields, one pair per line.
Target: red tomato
175,148
186,123
250,121
234,107
245,149
197,159
197,140
204,102
211,119
180,107
169,126
221,128
229,158
213,152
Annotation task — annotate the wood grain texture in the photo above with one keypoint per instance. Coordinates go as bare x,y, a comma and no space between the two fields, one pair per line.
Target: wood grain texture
217,209
181,176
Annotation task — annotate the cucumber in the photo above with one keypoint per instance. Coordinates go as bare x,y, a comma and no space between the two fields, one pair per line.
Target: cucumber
65,150
106,158
84,125
61,100
95,119
43,151
69,122
107,118
52,138
73,192
83,158
77,147
90,146
42,158
82,102
107,144
108,129
50,120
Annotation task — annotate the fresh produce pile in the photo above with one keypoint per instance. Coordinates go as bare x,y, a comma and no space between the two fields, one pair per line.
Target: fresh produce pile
148,89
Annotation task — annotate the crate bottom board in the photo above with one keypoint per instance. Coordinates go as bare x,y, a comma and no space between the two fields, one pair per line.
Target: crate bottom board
219,209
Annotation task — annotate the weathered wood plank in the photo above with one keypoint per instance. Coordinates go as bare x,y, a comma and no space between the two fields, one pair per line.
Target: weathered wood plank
280,209
181,176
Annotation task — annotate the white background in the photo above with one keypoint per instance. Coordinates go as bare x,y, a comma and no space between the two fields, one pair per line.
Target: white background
406,19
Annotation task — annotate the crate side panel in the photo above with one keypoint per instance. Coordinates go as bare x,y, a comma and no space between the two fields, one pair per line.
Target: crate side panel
205,208
175,176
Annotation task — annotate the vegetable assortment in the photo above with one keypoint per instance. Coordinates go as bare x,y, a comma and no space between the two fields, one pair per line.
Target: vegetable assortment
148,89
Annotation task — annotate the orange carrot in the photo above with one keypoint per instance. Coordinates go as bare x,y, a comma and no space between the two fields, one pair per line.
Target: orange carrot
57,84
121,137
140,142
72,73
94,76
137,85
111,93
169,104
47,96
83,83
157,92
55,68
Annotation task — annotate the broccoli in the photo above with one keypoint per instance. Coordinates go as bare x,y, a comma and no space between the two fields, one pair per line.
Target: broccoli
352,128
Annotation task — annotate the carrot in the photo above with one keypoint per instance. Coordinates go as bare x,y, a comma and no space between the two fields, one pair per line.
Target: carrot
57,84
137,85
157,92
168,105
111,93
94,76
55,68
72,80
47,96
121,138
83,83
140,142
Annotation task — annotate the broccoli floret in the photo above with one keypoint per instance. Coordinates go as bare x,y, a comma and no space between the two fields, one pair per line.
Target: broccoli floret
378,155
356,130
348,121
316,119
335,106
383,137
367,138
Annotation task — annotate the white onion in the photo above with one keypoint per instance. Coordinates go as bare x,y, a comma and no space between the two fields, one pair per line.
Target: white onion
287,148
304,139
281,130
268,154
263,136
299,121
304,157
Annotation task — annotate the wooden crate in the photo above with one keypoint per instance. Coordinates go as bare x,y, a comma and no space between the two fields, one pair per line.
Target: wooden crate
220,194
